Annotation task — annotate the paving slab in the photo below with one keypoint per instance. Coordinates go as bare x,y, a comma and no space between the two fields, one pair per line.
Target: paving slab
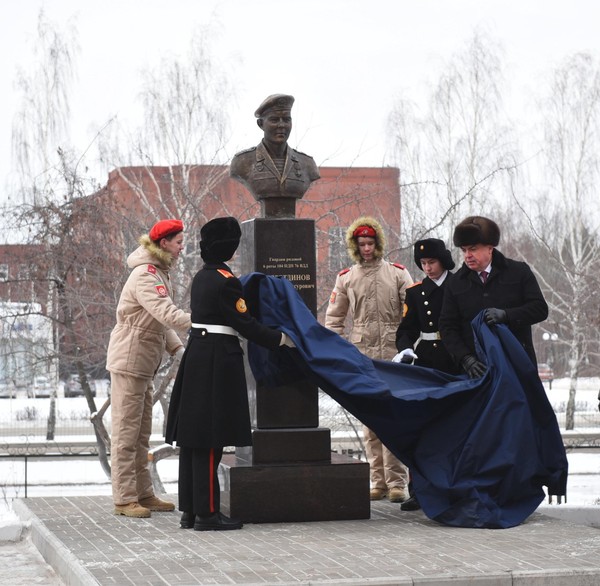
86,544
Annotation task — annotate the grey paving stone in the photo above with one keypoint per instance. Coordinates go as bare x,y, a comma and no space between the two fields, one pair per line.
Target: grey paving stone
393,547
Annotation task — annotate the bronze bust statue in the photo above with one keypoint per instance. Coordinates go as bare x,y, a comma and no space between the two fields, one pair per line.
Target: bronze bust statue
273,172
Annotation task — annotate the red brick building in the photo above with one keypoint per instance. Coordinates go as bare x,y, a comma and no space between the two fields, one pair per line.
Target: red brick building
104,228
199,193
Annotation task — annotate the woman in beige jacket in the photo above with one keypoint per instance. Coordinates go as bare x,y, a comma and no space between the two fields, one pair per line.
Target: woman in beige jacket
146,320
372,291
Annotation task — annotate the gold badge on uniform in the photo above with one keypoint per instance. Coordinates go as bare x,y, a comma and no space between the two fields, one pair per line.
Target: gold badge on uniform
241,305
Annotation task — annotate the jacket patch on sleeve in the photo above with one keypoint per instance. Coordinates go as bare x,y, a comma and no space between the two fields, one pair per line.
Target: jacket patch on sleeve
225,273
161,289
241,305
332,298
152,269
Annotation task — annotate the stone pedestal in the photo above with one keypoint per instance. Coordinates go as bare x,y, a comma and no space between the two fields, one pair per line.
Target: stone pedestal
260,493
289,474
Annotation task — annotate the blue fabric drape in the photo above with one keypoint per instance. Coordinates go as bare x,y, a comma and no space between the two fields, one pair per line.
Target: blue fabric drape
479,451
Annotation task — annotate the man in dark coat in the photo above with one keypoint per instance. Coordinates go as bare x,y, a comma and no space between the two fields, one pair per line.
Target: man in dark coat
209,402
506,289
422,308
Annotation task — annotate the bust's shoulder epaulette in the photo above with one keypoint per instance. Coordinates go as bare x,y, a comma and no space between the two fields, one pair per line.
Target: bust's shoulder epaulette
303,154
343,272
225,273
398,265
415,284
249,150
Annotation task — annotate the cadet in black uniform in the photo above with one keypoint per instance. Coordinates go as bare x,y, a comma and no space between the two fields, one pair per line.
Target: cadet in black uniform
422,308
209,402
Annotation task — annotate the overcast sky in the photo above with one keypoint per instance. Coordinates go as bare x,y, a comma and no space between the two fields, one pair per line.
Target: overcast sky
343,60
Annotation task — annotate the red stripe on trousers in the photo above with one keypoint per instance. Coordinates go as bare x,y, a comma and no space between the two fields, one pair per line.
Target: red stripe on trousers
211,476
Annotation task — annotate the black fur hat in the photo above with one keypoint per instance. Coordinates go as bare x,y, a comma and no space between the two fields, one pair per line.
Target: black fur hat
219,239
476,230
433,248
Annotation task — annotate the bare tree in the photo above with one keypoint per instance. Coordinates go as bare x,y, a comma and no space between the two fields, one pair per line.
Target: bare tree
571,162
453,154
170,162
42,122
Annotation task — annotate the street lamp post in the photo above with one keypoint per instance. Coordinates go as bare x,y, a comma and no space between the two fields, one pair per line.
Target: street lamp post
550,337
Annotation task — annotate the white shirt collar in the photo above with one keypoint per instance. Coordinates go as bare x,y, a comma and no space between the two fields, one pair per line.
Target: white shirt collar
487,269
442,278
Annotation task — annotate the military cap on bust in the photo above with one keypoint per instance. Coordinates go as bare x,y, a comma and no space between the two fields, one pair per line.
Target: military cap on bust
433,248
476,230
275,101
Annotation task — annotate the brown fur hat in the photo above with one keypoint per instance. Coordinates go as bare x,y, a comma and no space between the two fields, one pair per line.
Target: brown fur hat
476,230
352,244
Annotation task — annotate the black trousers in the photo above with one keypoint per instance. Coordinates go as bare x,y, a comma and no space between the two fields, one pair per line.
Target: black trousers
199,490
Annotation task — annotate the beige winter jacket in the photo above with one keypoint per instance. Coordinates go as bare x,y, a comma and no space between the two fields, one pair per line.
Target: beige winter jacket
146,315
373,294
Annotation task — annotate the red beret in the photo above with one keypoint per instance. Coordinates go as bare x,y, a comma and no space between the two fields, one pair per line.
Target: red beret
163,228
364,231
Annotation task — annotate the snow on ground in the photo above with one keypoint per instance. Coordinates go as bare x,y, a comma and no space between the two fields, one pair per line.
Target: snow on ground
84,475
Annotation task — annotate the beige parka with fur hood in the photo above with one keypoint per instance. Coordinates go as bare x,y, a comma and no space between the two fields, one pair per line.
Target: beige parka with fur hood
146,315
373,293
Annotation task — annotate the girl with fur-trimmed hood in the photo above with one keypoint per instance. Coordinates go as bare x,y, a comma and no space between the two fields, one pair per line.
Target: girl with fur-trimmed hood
372,293
146,323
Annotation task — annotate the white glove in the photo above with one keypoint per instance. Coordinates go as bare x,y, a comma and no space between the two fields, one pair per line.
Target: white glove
407,354
179,353
286,341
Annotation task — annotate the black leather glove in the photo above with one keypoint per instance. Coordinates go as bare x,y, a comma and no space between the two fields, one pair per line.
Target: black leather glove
472,366
494,316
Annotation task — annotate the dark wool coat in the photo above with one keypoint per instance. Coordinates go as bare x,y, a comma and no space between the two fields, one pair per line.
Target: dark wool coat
209,402
511,286
422,309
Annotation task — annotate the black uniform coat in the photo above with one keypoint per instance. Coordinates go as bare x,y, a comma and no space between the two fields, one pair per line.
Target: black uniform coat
422,308
511,286
209,402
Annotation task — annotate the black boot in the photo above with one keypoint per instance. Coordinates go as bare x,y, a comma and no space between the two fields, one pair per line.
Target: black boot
412,504
216,522
187,520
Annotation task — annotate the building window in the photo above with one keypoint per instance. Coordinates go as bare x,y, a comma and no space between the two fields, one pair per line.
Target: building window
23,274
3,273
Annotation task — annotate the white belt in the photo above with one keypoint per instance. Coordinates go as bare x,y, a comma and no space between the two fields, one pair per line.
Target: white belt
215,329
430,336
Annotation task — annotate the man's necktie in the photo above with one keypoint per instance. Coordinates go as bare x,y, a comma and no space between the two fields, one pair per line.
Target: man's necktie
483,275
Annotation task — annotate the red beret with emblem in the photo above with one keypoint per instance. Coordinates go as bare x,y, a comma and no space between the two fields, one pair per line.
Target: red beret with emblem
165,228
364,231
